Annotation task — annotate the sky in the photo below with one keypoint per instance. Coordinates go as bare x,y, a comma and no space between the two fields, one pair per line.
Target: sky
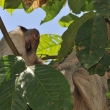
32,20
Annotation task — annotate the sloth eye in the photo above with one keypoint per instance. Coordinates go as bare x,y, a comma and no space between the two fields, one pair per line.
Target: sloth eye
28,47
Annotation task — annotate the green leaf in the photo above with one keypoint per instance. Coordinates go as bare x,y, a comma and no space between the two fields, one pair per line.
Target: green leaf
103,7
27,6
52,8
10,66
108,45
49,45
65,21
29,10
102,66
12,4
88,6
76,5
108,95
91,41
70,34
10,95
45,88
2,5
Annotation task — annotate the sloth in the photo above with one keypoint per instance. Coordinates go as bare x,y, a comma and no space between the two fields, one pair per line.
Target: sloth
88,91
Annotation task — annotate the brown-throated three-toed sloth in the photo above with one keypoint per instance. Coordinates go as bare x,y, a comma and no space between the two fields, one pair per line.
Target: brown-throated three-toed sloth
89,91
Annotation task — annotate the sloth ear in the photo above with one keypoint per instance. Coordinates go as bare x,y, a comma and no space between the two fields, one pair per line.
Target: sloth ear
23,29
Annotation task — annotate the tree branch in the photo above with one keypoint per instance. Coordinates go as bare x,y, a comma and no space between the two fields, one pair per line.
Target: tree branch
49,57
8,39
108,30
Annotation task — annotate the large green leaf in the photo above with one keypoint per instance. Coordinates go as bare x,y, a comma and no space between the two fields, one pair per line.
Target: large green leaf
102,66
103,7
10,66
45,88
65,21
52,8
2,5
91,41
49,45
12,4
10,95
70,34
76,5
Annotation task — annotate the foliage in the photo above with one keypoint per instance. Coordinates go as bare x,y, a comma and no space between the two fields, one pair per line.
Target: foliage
49,45
50,9
38,84
41,86
87,47
65,21
68,42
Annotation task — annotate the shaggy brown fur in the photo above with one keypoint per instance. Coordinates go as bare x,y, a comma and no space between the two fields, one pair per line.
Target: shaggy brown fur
26,42
89,91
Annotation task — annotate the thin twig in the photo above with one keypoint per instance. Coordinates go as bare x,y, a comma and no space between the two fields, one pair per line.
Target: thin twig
108,31
49,57
8,39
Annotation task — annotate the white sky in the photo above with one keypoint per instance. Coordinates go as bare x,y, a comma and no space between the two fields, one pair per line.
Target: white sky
32,20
